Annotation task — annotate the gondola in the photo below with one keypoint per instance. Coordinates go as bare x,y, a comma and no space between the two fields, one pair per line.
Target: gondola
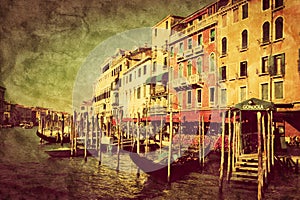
159,171
53,139
66,152
180,167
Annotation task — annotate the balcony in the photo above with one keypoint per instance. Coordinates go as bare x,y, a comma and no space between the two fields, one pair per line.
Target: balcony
195,80
188,53
179,57
198,49
180,83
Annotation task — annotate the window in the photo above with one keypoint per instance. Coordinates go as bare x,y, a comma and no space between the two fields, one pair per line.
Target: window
189,97
264,91
189,66
224,46
139,72
212,96
235,15
278,67
199,97
130,77
266,4
180,98
223,97
223,73
243,93
154,66
244,39
167,25
181,47
245,11
145,69
172,51
200,39
212,62
165,62
190,43
278,3
199,65
180,70
278,86
264,64
279,28
224,20
243,69
138,93
155,32
266,32
212,35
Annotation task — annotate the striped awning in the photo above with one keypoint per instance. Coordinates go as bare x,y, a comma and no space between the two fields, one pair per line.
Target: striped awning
151,80
163,78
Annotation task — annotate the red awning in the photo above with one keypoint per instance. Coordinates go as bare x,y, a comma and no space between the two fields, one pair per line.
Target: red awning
175,118
126,120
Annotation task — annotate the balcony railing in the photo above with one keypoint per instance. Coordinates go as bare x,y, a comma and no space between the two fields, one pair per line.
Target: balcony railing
198,49
188,53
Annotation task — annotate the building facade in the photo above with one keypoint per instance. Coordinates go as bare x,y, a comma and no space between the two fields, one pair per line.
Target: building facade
206,63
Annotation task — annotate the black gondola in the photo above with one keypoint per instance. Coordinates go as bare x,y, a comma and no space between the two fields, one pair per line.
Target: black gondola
53,139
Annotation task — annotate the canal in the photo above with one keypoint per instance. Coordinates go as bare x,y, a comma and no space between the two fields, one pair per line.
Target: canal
27,172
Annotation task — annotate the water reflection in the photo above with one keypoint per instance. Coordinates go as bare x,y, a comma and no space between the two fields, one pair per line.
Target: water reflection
26,172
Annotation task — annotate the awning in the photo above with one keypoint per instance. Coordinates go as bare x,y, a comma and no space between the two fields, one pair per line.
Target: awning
151,80
175,118
126,119
163,78
255,105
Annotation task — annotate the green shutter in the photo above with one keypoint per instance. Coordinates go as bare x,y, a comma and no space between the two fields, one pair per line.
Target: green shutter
271,65
283,64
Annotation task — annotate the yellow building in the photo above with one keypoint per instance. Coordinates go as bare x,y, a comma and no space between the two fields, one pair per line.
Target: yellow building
258,56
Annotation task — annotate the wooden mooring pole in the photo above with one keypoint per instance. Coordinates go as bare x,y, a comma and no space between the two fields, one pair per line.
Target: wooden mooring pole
222,154
233,141
260,163
229,147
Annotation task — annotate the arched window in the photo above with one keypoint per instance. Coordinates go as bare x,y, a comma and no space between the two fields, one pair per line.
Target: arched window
224,45
266,32
244,39
212,62
189,66
278,28
199,65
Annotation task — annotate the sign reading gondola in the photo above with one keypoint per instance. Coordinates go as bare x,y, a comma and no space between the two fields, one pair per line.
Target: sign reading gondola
255,105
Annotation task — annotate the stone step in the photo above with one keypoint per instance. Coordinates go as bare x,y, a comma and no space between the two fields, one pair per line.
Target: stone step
244,174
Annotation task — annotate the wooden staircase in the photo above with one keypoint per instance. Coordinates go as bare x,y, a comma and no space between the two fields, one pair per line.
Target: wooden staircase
245,173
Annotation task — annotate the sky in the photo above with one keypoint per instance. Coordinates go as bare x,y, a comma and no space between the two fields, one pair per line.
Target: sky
51,51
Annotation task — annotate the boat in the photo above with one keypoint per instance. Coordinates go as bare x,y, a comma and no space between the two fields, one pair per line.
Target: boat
159,171
66,152
53,139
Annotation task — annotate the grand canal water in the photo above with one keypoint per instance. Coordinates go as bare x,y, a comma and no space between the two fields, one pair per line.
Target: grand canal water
27,172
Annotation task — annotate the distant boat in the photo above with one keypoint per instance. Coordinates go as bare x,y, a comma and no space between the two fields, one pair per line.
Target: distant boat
53,139
66,152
